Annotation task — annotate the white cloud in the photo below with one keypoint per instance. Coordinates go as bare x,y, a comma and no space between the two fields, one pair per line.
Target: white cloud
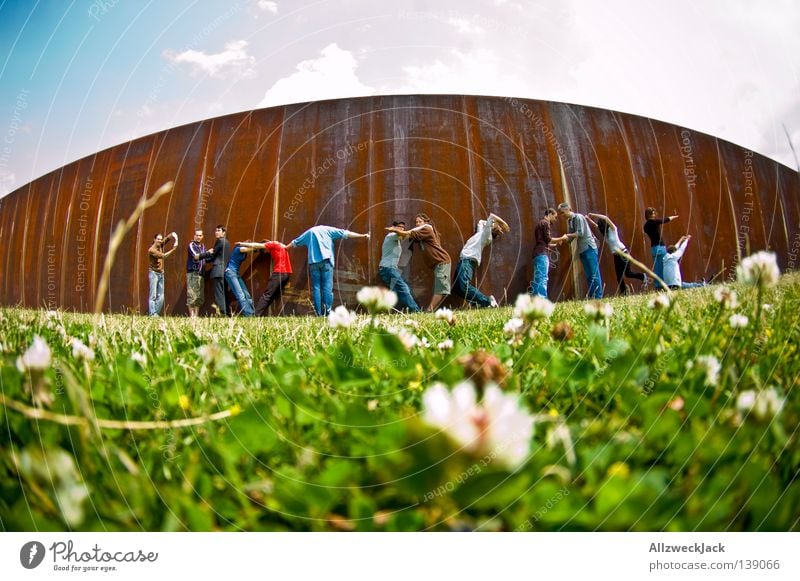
8,182
331,76
477,72
267,6
233,62
464,26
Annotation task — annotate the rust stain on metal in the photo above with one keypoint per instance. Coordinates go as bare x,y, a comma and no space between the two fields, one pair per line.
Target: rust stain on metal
360,163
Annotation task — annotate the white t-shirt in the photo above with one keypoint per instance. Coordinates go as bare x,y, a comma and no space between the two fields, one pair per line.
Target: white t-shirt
473,249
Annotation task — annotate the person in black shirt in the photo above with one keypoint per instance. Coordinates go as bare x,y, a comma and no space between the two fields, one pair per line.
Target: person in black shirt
219,256
658,248
541,252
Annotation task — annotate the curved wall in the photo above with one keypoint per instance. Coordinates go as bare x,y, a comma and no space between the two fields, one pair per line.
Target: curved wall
360,163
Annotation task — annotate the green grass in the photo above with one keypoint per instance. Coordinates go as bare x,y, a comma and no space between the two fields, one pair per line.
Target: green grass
324,432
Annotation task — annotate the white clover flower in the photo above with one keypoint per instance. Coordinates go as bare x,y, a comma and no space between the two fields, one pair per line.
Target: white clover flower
768,404
63,333
81,351
709,365
446,315
658,303
407,338
341,317
36,358
598,310
738,321
560,436
377,299
497,427
445,345
514,327
760,269
213,354
766,307
139,358
532,308
764,405
746,401
411,323
423,342
726,297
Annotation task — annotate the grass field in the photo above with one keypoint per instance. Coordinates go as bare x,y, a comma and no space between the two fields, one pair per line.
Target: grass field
650,419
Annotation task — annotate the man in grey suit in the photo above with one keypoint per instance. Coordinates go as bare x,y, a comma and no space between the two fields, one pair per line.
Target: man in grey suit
220,255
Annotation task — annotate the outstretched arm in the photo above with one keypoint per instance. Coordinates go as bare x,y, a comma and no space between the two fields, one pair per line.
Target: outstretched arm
356,235
503,224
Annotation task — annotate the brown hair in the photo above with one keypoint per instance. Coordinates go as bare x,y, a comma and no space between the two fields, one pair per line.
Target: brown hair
649,212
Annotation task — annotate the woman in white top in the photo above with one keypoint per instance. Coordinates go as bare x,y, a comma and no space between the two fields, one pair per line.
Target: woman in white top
622,267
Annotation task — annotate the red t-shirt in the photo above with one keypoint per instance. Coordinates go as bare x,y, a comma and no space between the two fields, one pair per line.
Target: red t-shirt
280,258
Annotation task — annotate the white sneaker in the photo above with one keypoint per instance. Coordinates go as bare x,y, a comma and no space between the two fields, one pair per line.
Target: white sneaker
493,302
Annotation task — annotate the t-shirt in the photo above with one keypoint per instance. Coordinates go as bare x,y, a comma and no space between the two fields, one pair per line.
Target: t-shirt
280,257
613,241
542,236
579,225
236,259
672,268
156,254
319,241
390,251
652,228
192,265
482,238
431,245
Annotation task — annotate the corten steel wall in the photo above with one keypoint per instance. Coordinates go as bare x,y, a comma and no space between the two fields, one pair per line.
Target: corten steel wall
360,163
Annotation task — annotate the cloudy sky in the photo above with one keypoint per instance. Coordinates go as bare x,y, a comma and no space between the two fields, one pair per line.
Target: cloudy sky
78,76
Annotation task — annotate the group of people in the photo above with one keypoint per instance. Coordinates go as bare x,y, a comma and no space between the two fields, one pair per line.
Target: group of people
666,259
226,260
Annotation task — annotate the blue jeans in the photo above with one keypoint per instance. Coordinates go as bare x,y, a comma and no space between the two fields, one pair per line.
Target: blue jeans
240,292
393,278
156,299
591,268
321,286
462,285
658,253
685,285
541,268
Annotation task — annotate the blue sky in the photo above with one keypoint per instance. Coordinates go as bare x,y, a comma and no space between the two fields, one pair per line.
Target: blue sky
80,76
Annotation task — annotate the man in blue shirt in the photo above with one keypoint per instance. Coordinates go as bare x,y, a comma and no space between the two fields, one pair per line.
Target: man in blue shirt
578,229
389,271
319,242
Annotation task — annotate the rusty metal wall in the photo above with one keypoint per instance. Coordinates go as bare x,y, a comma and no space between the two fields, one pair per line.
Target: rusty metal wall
360,163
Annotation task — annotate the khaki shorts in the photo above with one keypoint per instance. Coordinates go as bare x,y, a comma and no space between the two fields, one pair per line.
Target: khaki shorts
195,289
441,279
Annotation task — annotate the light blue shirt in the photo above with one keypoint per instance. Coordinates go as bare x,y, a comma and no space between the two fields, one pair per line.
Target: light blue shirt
319,241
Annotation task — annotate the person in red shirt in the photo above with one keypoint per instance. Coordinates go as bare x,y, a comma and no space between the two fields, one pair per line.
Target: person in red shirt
281,271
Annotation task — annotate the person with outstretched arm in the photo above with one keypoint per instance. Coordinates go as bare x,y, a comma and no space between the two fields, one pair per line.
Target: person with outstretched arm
389,270
319,242
672,266
470,259
578,230
281,272
155,274
622,266
541,252
219,256
658,248
436,257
